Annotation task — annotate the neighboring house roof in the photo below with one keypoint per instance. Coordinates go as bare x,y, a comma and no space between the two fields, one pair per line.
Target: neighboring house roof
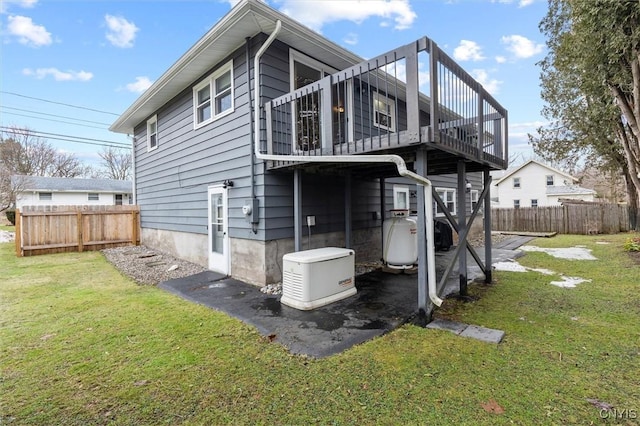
517,169
55,184
247,19
569,190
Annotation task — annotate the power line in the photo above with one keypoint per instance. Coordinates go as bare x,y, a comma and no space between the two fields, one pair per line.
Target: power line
53,115
68,138
55,121
59,103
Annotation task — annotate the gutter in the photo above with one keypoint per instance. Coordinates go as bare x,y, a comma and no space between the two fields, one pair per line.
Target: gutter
388,158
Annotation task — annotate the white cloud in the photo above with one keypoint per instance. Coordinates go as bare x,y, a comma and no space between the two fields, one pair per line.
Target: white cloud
468,51
525,3
351,38
27,32
316,13
58,75
27,4
140,85
521,46
501,59
490,85
121,32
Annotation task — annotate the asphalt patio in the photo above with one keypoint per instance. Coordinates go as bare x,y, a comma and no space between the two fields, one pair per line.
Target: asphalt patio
384,302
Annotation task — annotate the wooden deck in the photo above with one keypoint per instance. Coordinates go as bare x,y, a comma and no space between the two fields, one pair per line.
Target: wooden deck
373,108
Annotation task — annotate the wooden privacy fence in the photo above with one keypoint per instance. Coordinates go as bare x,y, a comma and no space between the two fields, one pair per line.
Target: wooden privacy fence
594,218
58,229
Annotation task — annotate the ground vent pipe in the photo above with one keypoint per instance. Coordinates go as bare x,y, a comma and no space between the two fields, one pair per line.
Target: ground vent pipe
399,162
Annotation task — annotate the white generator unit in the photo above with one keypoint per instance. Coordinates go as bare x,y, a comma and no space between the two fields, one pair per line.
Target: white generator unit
314,278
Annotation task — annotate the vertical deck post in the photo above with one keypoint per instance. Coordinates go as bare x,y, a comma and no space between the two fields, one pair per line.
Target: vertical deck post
297,209
347,210
487,227
433,88
413,88
461,211
383,209
326,112
424,306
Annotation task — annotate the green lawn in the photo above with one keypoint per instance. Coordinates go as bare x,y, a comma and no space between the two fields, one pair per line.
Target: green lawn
82,344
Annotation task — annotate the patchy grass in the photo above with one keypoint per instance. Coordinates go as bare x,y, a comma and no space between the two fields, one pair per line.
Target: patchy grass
81,344
9,228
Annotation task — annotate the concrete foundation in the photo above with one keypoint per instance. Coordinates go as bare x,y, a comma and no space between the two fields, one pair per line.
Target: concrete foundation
184,245
258,262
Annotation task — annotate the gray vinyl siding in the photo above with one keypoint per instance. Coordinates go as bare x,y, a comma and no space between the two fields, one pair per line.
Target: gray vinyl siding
172,181
449,181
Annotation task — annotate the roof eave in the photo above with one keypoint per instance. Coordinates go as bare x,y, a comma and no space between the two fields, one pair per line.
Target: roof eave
132,116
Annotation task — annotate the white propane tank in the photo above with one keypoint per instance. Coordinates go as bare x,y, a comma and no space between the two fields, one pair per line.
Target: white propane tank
400,242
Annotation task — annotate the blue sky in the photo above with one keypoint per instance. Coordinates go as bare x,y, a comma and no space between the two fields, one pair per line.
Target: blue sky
84,62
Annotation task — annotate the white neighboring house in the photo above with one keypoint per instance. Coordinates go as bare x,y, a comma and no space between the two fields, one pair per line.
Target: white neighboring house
534,184
41,191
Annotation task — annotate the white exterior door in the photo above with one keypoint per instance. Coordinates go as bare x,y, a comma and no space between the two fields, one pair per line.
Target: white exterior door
218,230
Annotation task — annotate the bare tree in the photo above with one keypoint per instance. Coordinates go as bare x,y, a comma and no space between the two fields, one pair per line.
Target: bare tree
24,154
116,163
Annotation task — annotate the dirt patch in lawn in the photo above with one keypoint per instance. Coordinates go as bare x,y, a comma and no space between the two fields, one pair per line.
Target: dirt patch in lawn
635,256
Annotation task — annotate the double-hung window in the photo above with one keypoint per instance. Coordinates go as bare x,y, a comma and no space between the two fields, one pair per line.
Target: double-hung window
400,197
448,197
213,97
152,133
516,182
474,196
384,112
549,180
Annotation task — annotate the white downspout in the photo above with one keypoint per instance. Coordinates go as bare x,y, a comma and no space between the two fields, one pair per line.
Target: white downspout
387,158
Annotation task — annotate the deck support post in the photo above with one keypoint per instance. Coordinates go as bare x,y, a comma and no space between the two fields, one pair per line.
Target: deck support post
297,209
487,226
347,210
383,209
425,306
461,211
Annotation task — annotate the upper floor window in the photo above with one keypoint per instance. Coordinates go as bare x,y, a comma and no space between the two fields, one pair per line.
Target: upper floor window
549,180
93,196
213,98
516,182
45,196
152,133
448,197
384,112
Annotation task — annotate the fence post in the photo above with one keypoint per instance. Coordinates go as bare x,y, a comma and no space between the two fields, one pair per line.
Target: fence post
18,220
134,227
80,242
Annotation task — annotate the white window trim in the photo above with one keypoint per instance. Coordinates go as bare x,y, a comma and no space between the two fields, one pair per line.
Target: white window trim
151,121
392,111
553,180
97,196
210,81
518,204
519,182
474,195
398,189
325,70
455,201
536,202
48,197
